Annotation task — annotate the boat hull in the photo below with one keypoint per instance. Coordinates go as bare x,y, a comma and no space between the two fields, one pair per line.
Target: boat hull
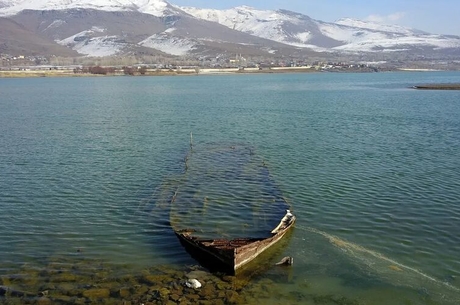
229,256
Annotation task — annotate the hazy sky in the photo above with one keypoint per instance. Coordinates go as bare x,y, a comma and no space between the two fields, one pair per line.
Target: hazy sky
440,17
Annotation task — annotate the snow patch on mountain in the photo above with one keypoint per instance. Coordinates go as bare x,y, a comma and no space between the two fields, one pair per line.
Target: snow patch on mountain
261,23
86,43
357,38
157,8
83,35
55,24
303,37
402,43
169,44
100,46
348,34
377,26
244,19
239,17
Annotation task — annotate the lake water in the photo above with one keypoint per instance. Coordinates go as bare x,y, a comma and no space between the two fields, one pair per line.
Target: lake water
370,168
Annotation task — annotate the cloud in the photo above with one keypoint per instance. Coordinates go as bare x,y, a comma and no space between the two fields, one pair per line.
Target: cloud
386,19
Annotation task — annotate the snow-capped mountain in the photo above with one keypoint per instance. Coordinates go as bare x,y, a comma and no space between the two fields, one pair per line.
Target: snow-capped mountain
118,30
157,8
117,27
281,26
343,35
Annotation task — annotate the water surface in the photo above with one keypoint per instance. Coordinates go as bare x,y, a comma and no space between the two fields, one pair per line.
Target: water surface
370,167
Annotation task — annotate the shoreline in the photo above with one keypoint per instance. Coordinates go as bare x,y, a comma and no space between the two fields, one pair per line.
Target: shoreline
151,72
69,72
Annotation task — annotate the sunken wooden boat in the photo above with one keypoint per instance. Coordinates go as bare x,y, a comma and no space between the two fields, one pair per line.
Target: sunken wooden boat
227,210
235,253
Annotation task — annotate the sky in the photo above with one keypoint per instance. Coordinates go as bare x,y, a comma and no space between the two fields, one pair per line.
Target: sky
437,17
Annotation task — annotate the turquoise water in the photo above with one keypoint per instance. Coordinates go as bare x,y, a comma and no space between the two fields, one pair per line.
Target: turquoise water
370,167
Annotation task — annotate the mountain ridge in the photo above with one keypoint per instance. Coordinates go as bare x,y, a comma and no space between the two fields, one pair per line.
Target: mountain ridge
158,26
157,8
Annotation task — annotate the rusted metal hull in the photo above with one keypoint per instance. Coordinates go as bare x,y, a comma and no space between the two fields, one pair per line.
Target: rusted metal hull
231,254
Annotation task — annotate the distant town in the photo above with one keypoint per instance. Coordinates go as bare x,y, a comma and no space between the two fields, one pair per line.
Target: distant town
23,66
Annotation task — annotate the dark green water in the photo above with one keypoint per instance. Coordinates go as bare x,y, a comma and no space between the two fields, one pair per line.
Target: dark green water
371,168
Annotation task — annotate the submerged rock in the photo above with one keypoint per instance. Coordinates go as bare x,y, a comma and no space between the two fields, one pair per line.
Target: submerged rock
44,301
193,283
62,299
175,297
198,274
208,292
44,293
124,292
3,290
64,277
288,260
96,293
232,297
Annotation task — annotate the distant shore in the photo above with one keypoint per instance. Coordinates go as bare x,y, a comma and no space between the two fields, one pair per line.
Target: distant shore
70,72
152,72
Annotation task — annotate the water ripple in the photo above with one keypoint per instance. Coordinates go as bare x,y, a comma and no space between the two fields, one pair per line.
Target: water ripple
354,155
